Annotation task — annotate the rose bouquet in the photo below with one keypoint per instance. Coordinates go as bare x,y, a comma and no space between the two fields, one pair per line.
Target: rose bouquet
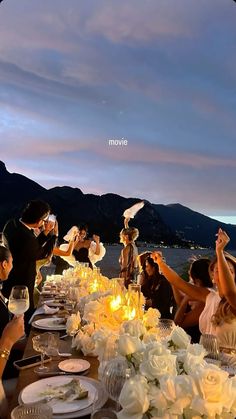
173,381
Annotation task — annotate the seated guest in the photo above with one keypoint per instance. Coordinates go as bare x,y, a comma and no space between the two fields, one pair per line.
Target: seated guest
140,260
10,331
187,315
26,248
219,314
156,289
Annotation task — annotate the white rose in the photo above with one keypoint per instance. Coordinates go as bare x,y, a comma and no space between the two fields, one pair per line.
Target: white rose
92,311
87,345
73,324
129,344
194,356
157,362
180,338
151,317
134,398
105,344
134,328
152,335
177,391
212,389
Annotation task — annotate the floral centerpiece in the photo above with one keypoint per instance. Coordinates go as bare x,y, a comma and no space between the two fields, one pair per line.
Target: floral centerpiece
173,380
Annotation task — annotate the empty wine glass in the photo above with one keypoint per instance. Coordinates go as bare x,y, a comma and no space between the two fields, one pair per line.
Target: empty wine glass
18,300
210,343
41,343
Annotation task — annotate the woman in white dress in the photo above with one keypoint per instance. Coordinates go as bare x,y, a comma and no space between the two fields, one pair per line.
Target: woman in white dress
219,313
224,319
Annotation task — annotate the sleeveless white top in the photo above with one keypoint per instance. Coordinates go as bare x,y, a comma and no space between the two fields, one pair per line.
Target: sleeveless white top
212,301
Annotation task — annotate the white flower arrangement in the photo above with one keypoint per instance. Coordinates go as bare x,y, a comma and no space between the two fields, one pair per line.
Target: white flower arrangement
173,381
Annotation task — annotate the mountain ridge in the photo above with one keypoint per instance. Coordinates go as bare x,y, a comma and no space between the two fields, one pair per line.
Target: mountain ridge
171,224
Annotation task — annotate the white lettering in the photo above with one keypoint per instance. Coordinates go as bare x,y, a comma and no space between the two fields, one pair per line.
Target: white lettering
117,142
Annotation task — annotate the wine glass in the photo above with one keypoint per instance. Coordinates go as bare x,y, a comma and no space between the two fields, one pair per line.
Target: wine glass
210,343
19,300
41,343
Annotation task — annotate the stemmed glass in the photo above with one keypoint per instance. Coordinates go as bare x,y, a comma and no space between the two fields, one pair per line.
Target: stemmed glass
43,343
18,300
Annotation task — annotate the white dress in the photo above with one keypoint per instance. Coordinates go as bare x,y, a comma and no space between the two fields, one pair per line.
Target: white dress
226,336
211,304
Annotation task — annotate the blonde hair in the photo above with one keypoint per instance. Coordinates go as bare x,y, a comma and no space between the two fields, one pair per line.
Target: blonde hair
224,313
131,232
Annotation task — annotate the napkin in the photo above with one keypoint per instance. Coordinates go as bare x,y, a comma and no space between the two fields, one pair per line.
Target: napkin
44,309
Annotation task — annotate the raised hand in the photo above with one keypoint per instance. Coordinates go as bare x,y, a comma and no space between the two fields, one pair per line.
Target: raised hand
96,238
157,257
222,240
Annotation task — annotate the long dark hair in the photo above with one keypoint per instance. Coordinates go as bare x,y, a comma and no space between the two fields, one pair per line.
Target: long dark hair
199,270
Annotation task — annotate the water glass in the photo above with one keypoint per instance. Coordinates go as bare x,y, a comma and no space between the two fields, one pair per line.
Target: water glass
165,327
210,343
32,411
99,412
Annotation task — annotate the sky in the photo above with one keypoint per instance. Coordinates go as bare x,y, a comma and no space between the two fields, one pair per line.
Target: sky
158,77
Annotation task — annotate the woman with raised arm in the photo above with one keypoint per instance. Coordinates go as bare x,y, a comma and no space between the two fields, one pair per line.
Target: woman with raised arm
219,313
189,311
224,318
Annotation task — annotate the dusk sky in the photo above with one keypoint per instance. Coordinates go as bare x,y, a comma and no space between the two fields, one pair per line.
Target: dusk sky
160,74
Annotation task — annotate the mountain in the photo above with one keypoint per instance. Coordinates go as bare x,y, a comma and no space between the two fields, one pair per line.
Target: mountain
192,225
170,224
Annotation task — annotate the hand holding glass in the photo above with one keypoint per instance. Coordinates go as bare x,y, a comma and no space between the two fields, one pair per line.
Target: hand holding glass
18,300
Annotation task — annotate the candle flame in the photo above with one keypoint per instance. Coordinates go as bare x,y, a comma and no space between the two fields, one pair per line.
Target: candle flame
115,303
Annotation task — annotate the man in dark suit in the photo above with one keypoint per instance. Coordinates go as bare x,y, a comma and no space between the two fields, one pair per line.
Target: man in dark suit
26,248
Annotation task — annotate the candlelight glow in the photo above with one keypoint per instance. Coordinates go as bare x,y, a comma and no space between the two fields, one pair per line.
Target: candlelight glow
94,286
115,303
130,313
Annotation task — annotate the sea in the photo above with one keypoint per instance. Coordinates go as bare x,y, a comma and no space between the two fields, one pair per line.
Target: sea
177,258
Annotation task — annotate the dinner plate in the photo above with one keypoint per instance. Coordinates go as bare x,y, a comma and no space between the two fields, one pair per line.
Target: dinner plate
74,365
34,392
52,303
49,323
100,395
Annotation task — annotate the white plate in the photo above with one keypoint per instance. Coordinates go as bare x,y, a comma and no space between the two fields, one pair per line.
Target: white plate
101,395
74,365
52,303
49,323
33,393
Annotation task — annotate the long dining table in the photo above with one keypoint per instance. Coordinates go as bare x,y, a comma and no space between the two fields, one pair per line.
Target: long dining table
28,376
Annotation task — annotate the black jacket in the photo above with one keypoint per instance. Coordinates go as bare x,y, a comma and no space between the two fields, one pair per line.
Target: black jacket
25,249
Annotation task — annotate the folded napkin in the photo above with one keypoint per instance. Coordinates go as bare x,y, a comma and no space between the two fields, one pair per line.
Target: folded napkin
44,309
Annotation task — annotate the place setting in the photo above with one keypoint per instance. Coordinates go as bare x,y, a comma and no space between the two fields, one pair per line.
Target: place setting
50,323
69,396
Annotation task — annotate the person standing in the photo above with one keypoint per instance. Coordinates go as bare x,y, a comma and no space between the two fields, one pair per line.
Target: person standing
26,248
